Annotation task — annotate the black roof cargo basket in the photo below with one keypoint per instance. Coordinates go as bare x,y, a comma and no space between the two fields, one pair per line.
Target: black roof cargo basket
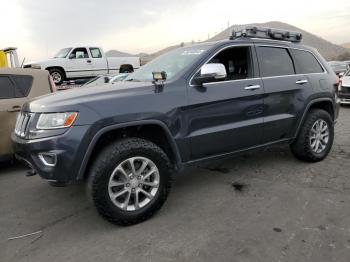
267,33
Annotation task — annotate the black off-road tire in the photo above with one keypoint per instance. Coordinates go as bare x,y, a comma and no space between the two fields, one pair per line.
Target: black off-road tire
301,147
57,71
109,158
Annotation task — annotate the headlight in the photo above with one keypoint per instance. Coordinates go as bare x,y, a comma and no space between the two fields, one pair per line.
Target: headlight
56,120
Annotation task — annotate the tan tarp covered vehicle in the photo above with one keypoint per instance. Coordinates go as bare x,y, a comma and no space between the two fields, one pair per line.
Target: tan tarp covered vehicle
18,86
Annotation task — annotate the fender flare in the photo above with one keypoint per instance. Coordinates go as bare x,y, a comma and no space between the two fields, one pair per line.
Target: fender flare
314,101
96,137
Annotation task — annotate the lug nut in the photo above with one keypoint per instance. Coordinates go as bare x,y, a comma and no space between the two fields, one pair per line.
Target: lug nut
127,185
140,185
133,190
139,177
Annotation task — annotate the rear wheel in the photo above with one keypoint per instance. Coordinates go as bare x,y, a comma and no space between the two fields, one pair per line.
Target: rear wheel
57,75
130,181
315,138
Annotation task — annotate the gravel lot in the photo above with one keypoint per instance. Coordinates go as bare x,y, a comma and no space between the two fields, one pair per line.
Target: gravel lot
281,210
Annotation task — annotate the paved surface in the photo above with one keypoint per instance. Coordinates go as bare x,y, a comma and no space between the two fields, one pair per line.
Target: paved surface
286,211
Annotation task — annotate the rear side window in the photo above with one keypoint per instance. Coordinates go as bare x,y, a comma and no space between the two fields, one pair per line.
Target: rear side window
95,52
7,89
275,62
306,63
23,85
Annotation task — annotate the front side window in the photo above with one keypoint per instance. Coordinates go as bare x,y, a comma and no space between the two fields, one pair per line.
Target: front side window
306,63
7,89
95,52
171,63
275,61
79,53
237,61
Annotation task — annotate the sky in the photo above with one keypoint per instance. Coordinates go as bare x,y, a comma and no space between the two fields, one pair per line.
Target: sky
39,28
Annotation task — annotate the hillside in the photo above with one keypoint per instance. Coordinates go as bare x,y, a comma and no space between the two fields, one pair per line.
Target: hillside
326,48
346,45
115,53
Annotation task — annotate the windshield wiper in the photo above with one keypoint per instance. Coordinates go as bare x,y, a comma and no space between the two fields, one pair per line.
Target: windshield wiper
133,80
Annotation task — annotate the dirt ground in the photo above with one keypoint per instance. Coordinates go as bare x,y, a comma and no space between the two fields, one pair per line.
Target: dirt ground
265,206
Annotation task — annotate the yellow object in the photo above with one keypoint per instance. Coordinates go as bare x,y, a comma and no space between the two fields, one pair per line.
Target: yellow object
3,60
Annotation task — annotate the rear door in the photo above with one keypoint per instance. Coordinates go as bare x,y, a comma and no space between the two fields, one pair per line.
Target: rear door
227,116
79,63
14,90
98,62
284,92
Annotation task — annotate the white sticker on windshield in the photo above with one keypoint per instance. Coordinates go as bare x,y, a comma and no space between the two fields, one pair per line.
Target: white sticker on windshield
192,52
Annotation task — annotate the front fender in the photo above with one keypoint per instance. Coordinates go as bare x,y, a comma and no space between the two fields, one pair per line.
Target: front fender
91,146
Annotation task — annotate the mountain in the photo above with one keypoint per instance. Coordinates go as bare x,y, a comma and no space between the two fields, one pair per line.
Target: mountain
326,48
346,45
115,53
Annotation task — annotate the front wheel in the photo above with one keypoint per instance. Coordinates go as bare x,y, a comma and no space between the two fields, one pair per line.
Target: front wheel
130,180
315,138
57,75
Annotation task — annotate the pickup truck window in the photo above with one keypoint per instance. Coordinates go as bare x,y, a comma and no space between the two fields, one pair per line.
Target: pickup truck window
62,53
79,53
95,52
172,63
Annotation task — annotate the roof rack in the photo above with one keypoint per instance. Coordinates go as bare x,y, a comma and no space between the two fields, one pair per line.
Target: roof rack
267,33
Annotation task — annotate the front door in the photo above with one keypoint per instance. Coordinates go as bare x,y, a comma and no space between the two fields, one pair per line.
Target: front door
227,116
79,63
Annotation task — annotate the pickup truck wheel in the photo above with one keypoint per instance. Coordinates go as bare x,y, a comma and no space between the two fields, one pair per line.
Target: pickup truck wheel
129,181
315,138
57,75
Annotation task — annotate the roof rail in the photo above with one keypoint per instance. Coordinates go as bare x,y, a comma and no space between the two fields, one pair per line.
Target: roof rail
267,33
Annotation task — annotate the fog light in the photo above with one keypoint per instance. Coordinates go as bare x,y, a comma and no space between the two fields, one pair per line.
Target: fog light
48,159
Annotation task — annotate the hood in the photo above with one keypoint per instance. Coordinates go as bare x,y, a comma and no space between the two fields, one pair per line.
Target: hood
48,62
92,101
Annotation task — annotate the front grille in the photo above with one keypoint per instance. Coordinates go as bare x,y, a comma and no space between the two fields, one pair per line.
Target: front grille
23,123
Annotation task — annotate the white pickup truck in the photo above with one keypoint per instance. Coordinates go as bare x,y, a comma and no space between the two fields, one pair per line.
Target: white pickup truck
84,62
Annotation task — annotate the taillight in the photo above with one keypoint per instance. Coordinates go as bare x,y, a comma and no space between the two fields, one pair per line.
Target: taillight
52,85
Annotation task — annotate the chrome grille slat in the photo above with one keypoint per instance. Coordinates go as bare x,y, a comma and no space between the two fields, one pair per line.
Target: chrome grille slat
22,124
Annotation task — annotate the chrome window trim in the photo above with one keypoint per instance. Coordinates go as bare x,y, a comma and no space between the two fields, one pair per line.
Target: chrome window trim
256,78
221,49
301,49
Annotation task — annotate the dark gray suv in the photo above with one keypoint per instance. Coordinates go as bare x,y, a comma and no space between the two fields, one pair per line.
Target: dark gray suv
196,103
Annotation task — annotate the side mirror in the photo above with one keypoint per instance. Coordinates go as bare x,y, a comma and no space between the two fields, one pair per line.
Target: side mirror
72,56
211,73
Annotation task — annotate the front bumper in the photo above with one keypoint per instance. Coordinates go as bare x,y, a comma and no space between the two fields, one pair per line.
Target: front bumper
68,149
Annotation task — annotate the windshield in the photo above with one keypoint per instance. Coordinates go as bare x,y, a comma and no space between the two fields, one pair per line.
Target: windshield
62,53
172,63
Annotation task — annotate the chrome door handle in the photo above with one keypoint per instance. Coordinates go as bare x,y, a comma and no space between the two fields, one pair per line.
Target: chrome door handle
301,82
252,87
